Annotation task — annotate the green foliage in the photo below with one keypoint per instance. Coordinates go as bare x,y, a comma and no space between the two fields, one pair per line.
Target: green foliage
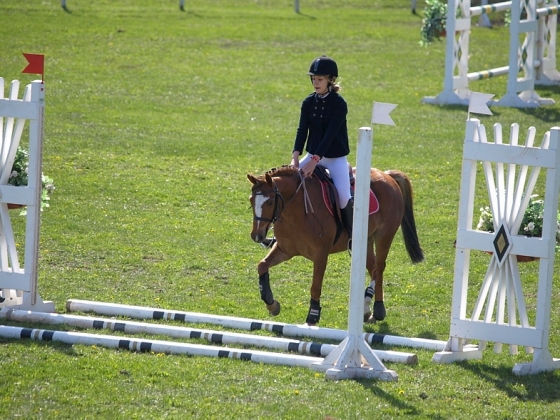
19,177
433,21
532,224
153,118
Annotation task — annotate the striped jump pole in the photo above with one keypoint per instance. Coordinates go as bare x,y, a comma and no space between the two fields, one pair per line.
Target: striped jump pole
215,337
490,8
158,346
547,11
288,330
487,74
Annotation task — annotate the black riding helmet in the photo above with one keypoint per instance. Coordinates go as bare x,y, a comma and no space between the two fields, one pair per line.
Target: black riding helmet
323,66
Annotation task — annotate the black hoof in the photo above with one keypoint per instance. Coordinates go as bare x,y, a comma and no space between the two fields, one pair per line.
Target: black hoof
379,312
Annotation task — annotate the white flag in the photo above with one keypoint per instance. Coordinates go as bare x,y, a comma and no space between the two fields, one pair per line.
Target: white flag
477,104
380,114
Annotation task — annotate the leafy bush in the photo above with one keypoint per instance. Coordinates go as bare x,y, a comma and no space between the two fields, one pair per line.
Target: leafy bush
531,225
19,176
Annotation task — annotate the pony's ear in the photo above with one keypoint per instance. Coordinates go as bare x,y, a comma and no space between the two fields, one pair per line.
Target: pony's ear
268,178
251,179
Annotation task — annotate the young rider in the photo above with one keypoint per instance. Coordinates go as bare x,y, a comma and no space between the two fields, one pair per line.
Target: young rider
323,132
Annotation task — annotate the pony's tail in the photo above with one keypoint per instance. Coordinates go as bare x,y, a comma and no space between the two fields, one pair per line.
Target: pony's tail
408,225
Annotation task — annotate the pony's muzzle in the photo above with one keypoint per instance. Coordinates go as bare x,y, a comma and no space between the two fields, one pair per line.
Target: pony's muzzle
258,237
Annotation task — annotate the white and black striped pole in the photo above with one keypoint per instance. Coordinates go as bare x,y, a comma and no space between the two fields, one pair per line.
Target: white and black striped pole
158,346
214,337
287,330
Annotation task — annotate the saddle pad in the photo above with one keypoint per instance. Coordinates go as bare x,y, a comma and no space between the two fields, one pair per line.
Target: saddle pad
373,202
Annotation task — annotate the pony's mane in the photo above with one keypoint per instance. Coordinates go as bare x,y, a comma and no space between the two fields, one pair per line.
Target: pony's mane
283,170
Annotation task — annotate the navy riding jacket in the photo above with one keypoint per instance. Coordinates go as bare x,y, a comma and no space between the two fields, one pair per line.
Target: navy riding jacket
322,125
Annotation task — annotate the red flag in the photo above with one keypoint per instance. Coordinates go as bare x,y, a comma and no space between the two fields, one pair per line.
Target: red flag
36,64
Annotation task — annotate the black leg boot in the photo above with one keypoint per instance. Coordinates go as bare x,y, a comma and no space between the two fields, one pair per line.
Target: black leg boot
347,214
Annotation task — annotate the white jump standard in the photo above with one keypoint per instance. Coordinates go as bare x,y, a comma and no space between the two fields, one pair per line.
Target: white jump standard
535,57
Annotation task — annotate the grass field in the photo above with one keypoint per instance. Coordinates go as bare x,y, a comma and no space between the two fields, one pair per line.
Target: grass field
153,119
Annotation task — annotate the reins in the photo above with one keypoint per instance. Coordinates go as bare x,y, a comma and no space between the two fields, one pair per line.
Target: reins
278,198
306,199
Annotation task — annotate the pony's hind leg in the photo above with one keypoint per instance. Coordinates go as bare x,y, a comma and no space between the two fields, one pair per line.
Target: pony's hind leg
375,264
370,290
274,257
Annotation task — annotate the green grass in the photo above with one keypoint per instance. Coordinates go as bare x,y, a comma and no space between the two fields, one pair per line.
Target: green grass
153,119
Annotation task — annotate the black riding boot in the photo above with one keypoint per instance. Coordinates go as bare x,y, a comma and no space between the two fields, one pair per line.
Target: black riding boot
347,214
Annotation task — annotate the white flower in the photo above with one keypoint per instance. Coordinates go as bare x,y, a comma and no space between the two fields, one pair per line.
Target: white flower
530,227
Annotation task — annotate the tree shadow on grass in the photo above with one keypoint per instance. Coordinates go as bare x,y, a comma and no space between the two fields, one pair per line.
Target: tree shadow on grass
304,15
405,408
546,113
541,387
384,328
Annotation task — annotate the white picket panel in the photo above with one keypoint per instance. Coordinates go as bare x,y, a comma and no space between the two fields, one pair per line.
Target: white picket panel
500,315
18,284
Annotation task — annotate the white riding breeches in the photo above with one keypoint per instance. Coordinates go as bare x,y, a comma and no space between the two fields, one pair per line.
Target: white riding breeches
338,168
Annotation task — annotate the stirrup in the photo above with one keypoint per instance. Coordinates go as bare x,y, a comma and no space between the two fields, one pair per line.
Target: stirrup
268,242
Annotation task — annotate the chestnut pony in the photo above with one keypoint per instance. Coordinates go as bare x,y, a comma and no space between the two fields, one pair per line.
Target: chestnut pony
303,226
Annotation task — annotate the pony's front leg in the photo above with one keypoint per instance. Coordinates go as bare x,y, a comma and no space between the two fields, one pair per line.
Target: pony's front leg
319,267
274,257
267,297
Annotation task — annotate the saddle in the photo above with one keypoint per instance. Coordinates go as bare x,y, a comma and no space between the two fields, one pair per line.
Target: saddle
330,197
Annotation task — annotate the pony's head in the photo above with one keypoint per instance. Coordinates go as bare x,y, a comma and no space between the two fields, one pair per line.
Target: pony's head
265,202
